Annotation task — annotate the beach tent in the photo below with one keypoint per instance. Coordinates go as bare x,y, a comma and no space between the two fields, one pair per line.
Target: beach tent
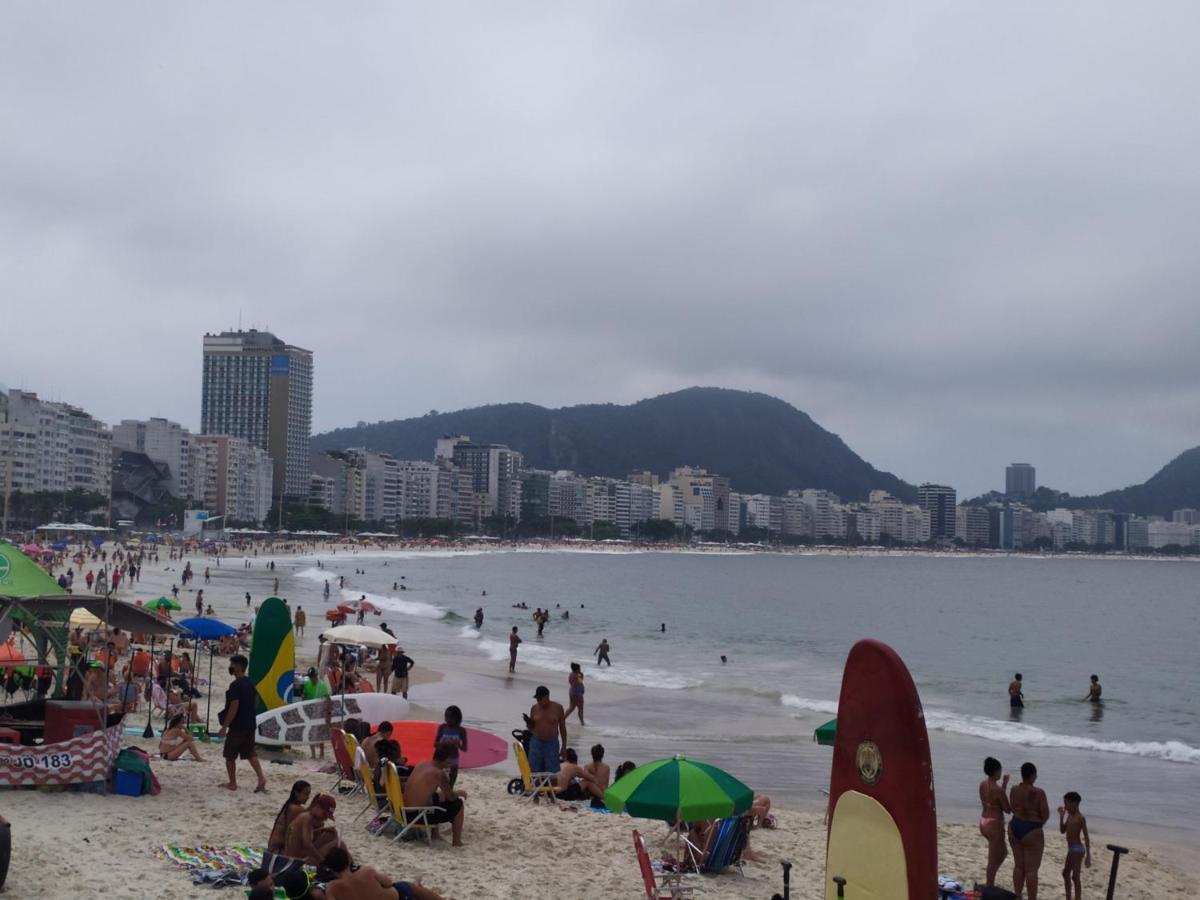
81,618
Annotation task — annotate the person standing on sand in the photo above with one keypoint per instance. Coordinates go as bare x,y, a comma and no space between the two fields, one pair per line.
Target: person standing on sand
1016,694
993,795
1079,843
575,692
601,652
1030,811
299,621
401,665
514,641
238,725
548,722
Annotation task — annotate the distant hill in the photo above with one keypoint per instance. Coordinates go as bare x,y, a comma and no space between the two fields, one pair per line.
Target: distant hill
762,443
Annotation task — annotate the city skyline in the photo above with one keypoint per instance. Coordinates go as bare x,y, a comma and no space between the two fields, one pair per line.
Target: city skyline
948,241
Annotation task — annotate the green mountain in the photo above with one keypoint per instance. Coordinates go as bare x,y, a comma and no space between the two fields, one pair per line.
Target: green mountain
1175,486
762,443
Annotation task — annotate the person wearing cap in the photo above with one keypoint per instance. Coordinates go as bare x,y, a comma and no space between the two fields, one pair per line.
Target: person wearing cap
310,835
548,721
401,664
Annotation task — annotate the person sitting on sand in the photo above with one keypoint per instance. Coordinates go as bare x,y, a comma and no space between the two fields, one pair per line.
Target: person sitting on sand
428,785
365,883
292,807
599,771
294,882
993,796
574,782
311,836
176,741
624,769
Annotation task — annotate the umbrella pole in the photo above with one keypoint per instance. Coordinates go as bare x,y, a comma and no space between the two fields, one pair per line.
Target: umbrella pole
208,705
149,732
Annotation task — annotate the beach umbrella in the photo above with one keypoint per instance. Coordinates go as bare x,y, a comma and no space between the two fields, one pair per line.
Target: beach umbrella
206,629
676,790
359,634
162,603
826,734
81,617
679,789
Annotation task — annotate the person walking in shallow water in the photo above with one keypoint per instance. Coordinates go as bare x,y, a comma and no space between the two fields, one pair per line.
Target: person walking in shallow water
1016,694
601,652
575,692
514,641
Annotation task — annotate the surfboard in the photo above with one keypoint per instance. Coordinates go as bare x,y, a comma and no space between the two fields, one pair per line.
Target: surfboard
272,655
308,721
416,743
882,818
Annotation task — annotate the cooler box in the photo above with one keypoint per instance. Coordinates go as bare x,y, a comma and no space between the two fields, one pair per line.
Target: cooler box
128,783
66,719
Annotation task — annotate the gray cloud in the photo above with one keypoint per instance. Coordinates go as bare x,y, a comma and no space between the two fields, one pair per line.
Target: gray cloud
956,234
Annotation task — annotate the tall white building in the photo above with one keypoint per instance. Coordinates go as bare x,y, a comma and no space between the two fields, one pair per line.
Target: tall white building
231,477
165,442
418,497
47,446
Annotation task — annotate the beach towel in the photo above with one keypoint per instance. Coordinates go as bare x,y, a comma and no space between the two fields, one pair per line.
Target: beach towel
240,859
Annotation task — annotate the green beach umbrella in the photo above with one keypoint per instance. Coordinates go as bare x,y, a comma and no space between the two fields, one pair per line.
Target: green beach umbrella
826,734
679,788
162,602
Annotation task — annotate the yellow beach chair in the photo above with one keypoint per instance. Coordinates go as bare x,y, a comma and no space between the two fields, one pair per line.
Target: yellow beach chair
407,817
537,784
366,780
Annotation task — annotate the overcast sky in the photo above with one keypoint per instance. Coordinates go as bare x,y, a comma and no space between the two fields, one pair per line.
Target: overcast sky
957,234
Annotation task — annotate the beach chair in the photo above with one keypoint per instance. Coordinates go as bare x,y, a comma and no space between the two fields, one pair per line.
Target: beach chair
664,886
536,784
345,762
407,818
365,779
727,844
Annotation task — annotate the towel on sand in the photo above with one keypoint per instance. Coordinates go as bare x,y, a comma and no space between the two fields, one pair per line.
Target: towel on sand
243,859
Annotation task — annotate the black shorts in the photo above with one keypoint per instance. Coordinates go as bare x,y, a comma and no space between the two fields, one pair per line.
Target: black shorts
573,792
448,810
403,890
239,744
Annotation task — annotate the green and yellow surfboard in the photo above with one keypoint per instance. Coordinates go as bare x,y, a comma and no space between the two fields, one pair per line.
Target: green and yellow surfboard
273,655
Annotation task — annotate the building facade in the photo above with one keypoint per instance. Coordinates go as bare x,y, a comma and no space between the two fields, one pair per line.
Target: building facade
49,446
258,388
165,442
940,502
231,477
1020,480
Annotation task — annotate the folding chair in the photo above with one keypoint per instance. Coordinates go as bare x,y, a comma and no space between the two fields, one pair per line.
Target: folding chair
345,762
408,818
537,784
366,780
670,888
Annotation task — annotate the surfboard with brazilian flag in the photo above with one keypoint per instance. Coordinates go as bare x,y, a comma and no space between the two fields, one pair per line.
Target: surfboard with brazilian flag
272,655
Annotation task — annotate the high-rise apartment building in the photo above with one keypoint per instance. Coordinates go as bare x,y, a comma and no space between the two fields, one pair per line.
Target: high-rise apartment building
941,502
258,388
164,442
47,446
231,477
1020,480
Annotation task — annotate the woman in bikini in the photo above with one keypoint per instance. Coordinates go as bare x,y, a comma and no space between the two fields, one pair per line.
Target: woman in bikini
575,692
292,807
176,741
993,795
1030,811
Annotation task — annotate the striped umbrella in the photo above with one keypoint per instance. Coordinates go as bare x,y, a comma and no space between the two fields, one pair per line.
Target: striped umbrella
679,788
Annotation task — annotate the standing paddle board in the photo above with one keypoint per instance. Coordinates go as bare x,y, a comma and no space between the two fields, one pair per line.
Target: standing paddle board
882,819
308,721
416,744
272,655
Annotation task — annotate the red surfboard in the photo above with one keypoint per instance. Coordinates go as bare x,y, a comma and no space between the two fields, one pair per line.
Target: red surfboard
882,817
416,744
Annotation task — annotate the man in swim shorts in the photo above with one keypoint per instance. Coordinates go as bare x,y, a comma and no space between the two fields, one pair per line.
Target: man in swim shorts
429,785
549,726
365,883
1016,697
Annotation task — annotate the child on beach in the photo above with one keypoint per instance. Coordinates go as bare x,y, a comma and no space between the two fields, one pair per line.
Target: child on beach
1072,823
451,732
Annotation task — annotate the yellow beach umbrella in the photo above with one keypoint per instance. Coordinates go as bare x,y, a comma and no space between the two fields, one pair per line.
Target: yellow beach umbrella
81,617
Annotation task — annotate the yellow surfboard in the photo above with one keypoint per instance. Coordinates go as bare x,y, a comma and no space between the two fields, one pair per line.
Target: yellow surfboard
865,847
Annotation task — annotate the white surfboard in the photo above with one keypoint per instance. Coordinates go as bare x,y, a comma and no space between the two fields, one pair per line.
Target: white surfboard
308,722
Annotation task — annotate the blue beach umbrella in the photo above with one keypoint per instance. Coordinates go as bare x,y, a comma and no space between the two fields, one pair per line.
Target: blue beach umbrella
206,629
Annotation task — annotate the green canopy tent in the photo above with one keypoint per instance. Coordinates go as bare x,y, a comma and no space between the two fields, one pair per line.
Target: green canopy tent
23,579
826,734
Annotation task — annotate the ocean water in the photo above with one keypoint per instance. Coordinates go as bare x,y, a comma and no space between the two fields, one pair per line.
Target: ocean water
962,625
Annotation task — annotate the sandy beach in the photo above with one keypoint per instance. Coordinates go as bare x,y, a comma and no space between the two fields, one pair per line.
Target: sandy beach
72,844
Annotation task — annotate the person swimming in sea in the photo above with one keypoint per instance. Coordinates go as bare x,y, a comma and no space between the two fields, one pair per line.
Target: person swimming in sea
1030,811
1016,696
1094,690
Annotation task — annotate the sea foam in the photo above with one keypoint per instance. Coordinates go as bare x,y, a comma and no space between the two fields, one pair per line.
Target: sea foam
1023,734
